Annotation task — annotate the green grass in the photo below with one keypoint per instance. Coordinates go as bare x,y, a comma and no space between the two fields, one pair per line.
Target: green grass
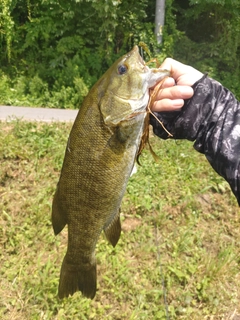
179,250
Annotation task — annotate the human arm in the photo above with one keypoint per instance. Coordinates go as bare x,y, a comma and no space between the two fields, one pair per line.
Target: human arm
211,118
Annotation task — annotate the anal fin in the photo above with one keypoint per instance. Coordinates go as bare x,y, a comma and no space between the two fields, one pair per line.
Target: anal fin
113,230
59,219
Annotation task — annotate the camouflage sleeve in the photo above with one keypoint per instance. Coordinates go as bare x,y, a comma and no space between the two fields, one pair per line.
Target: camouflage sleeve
211,118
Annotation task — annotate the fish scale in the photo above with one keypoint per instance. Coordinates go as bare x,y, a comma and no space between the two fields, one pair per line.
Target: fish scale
99,158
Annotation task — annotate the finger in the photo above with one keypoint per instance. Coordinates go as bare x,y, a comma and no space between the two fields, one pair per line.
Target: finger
176,92
167,105
168,82
183,74
176,68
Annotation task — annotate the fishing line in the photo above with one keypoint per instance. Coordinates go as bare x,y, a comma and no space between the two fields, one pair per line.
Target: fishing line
161,272
141,52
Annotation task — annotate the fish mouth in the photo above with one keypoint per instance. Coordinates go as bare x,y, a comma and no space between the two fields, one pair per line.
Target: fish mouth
164,72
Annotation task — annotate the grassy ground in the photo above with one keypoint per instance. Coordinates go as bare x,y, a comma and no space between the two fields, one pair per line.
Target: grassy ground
178,256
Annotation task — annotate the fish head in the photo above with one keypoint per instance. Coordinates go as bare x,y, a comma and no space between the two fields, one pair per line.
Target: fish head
125,89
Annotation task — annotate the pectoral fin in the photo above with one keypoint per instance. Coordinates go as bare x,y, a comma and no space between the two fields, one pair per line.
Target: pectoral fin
113,230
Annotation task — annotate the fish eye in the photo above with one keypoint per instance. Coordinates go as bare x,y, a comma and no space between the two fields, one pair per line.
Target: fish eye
122,69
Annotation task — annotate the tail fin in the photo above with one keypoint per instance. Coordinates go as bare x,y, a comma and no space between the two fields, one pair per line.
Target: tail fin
77,278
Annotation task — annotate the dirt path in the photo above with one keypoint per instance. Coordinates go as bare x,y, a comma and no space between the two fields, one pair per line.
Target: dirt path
37,114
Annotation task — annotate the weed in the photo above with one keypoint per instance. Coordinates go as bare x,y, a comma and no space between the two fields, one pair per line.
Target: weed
178,253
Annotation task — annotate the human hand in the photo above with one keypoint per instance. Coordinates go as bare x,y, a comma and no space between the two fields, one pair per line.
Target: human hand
176,88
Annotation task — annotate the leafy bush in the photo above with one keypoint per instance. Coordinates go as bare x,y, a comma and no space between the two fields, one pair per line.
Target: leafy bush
47,45
216,47
26,91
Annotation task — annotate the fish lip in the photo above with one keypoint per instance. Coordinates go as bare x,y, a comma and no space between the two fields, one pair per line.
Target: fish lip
166,72
140,58
154,80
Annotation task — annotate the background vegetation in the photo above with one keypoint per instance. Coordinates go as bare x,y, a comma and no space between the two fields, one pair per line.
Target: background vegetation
52,51
179,252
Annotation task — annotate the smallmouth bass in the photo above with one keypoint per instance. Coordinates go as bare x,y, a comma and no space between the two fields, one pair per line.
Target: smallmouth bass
99,157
